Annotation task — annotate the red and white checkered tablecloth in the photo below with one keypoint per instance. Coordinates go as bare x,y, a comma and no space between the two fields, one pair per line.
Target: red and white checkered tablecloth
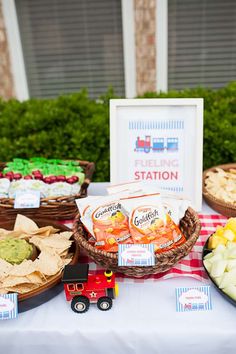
190,266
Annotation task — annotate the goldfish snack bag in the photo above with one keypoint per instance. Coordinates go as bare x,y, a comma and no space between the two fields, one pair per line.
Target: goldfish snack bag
84,203
148,222
172,209
108,222
110,226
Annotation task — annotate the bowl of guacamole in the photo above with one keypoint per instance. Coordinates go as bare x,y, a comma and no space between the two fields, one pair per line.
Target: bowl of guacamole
15,250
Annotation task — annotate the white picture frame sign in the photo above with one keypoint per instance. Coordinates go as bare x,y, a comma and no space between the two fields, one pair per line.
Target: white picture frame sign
159,142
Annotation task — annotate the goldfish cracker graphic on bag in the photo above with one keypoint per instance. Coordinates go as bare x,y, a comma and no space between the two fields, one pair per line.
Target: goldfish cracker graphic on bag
148,222
110,226
107,222
146,226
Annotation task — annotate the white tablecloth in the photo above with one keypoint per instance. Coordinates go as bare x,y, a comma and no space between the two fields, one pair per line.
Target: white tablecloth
143,319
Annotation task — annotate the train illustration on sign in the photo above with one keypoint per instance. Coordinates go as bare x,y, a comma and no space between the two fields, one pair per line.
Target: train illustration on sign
156,144
82,288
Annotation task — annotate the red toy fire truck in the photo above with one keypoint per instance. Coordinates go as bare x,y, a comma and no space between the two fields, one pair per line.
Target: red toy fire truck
82,288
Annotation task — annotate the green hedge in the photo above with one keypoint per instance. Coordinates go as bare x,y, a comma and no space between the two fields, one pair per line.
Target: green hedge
74,126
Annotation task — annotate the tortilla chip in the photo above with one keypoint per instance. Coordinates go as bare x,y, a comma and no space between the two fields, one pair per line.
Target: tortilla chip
25,268
5,268
45,231
24,224
22,288
36,278
66,261
4,231
15,234
12,280
37,241
48,264
53,244
63,254
66,234
56,241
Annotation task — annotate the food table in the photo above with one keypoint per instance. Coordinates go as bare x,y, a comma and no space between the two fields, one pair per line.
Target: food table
143,319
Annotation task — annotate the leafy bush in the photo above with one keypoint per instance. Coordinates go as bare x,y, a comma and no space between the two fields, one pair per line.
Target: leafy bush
74,126
219,145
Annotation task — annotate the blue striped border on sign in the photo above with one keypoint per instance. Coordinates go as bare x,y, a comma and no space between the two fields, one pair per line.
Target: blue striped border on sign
173,189
161,125
8,315
193,306
135,261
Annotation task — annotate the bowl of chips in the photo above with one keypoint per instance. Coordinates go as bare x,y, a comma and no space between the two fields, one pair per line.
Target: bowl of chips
219,188
36,278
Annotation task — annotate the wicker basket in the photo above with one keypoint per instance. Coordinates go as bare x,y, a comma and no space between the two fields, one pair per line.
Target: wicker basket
52,286
190,226
57,208
218,205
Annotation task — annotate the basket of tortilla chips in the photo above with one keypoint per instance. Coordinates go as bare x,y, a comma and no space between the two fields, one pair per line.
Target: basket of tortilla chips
33,254
219,188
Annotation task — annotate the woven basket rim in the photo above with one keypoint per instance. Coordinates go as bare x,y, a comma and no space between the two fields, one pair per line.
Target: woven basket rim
53,201
114,256
54,279
209,197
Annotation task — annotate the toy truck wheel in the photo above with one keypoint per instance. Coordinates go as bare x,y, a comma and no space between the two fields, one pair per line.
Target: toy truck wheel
80,304
104,303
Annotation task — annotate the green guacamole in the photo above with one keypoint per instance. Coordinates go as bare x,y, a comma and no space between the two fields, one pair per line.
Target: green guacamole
15,250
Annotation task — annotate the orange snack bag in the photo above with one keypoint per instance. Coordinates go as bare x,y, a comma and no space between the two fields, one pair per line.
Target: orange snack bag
107,221
110,226
148,222
178,236
172,210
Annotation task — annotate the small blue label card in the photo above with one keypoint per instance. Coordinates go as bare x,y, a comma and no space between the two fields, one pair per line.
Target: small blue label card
136,255
193,299
27,199
8,306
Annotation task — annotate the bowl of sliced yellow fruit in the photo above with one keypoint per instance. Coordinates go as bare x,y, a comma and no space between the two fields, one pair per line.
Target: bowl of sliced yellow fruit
219,259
